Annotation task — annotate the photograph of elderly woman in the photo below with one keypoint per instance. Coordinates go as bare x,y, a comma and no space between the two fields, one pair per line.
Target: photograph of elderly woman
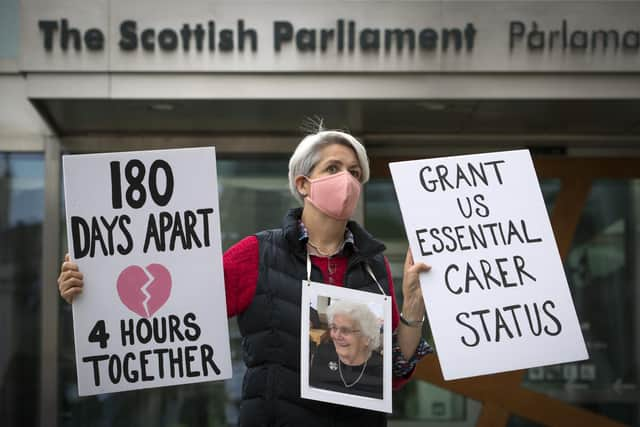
345,347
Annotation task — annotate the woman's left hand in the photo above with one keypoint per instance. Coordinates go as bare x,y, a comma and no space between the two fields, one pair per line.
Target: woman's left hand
413,304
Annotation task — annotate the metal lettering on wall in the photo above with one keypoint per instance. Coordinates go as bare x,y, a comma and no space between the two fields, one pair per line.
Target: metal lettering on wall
346,35
356,36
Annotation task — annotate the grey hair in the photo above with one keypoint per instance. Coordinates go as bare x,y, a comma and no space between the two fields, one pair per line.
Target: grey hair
362,315
307,155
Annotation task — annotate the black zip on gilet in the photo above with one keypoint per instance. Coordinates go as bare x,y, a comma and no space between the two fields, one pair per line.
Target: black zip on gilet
270,329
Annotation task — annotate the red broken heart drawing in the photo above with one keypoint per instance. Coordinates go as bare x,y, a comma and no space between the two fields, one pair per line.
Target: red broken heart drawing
144,290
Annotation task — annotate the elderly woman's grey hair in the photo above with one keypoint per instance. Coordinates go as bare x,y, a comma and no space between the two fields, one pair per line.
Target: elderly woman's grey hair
362,315
307,155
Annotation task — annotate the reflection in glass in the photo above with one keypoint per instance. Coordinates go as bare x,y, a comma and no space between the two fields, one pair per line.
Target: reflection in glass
550,189
603,277
253,196
21,215
515,421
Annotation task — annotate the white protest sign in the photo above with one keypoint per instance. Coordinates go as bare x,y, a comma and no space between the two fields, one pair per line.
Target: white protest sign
497,297
144,229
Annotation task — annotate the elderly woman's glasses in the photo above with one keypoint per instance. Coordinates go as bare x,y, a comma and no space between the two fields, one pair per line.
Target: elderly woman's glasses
343,330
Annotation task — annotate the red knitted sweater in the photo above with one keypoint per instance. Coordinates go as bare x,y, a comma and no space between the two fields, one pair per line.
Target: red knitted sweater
241,275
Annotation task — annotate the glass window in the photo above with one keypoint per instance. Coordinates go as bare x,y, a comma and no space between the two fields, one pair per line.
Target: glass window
515,421
602,270
254,196
21,215
550,189
9,28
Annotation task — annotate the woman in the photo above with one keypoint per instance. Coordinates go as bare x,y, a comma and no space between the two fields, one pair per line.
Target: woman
263,276
350,361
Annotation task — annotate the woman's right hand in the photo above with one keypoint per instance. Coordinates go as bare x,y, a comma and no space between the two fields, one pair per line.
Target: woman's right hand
70,280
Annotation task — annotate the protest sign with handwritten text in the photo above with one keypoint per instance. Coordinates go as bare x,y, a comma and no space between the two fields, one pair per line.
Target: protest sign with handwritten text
144,229
497,297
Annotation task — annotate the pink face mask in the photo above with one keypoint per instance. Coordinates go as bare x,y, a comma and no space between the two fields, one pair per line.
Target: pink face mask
335,195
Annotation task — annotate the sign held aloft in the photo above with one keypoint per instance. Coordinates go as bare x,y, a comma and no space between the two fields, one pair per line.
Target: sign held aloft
144,229
497,297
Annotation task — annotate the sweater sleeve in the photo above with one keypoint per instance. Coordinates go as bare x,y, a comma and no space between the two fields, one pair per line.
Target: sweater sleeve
240,264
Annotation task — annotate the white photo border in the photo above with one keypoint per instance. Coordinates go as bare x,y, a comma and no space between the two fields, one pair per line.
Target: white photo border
310,292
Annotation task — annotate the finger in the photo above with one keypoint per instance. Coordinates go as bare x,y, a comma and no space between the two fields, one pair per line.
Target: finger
64,286
421,267
72,291
408,261
74,281
71,275
69,266
71,283
70,294
66,259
